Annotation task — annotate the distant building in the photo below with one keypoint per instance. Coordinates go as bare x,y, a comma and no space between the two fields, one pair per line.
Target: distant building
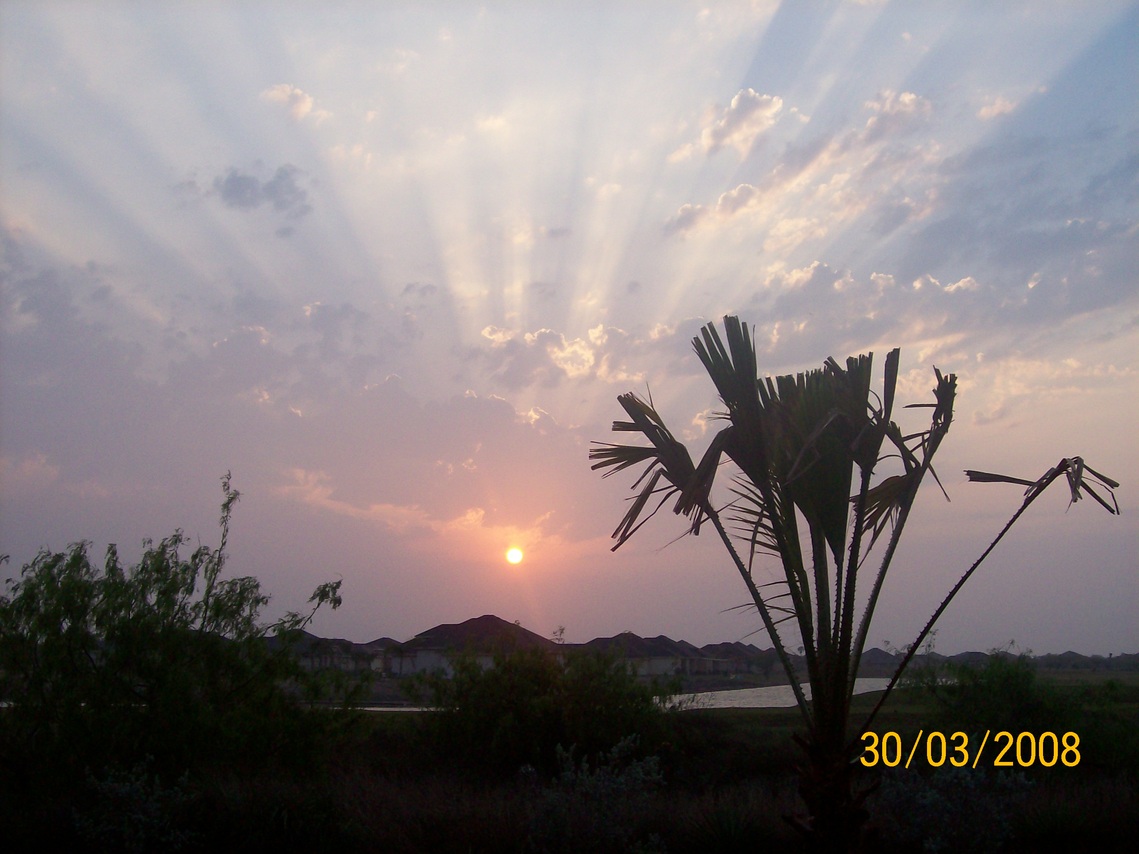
483,637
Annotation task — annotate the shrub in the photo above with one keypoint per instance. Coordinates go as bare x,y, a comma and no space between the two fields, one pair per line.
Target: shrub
164,661
1002,694
519,711
599,808
135,812
952,809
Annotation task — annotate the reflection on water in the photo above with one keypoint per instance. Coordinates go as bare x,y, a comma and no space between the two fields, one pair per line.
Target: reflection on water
773,697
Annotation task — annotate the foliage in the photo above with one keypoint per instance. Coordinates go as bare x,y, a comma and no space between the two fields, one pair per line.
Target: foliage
1008,693
952,809
1004,693
134,811
105,666
517,712
824,476
595,809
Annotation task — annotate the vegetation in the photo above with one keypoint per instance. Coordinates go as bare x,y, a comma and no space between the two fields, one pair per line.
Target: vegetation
531,704
722,782
116,678
810,453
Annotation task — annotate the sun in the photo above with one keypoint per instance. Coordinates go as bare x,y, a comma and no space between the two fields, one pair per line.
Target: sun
514,555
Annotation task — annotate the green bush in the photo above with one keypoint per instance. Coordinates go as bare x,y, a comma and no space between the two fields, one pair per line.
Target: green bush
517,712
1002,694
134,812
952,809
598,808
164,662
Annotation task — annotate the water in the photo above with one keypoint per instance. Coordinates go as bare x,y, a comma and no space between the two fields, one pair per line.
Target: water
773,697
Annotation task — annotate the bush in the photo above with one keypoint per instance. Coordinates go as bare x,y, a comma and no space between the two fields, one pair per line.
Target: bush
519,711
132,811
164,661
952,809
596,809
1002,694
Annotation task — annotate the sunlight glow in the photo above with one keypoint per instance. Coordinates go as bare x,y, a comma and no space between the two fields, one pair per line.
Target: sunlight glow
514,555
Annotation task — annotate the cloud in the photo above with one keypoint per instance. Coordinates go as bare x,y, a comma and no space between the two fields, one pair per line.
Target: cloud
547,358
834,177
895,113
1017,384
242,191
543,357
314,489
966,284
787,234
397,61
299,103
733,201
739,199
741,123
997,107
287,416
33,471
687,217
356,154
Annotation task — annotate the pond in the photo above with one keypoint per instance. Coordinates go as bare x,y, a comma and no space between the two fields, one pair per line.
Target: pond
772,697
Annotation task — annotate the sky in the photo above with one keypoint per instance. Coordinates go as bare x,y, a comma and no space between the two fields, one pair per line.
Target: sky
391,264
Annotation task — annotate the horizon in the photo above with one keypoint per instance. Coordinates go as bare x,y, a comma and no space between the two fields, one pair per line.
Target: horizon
391,267
1008,649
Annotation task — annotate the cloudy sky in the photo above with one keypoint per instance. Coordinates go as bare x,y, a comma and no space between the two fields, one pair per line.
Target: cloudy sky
391,264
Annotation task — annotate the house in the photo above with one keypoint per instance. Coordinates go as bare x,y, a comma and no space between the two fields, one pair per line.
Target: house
316,653
648,657
483,637
738,657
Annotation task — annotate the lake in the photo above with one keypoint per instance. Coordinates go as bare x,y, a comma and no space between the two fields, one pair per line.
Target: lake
772,697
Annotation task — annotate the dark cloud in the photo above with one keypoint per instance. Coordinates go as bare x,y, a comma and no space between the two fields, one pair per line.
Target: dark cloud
343,328
283,192
239,191
251,308
419,289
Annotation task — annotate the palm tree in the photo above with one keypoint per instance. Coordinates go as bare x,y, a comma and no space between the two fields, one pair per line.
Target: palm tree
806,450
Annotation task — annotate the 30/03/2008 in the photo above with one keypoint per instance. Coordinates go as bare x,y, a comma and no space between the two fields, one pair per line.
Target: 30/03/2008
1022,750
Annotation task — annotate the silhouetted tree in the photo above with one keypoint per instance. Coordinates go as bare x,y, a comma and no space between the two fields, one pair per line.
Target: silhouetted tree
807,451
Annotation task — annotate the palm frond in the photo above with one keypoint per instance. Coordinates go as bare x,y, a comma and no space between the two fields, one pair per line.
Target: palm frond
989,477
883,503
618,457
667,459
1077,473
